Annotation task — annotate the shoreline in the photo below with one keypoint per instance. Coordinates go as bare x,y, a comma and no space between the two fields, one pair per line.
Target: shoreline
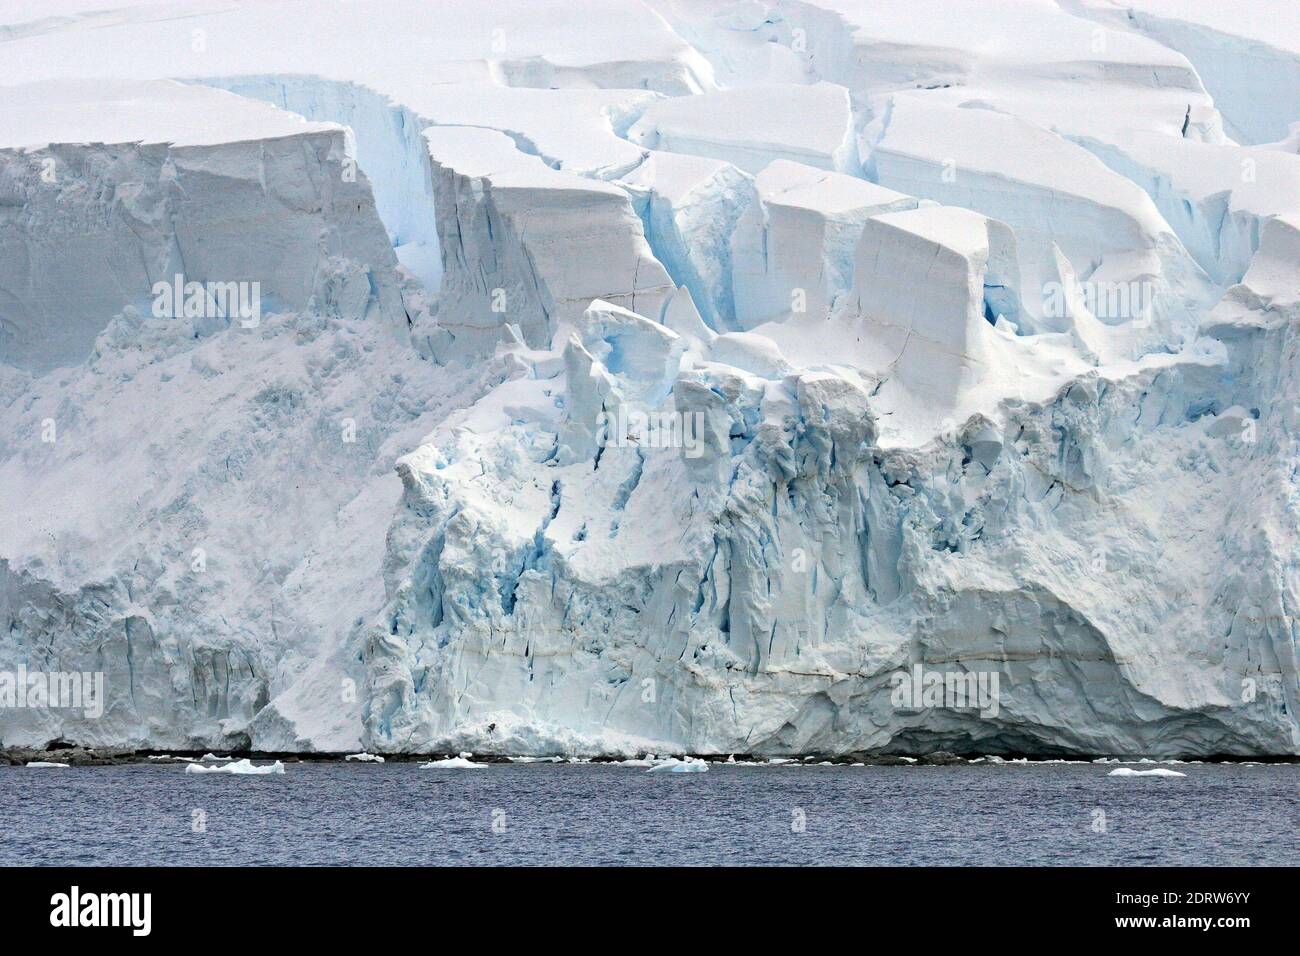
78,756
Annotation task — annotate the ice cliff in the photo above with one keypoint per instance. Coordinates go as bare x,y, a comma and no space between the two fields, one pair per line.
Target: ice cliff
652,375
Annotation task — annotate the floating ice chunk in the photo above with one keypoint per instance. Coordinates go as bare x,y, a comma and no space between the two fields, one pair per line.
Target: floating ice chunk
685,765
209,757
244,767
365,758
45,763
453,763
751,127
1156,772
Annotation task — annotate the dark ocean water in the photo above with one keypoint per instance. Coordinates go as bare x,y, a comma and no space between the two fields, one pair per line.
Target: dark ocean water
397,813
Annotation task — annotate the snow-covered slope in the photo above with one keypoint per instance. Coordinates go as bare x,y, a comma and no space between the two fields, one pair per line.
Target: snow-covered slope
752,126
1247,53
650,375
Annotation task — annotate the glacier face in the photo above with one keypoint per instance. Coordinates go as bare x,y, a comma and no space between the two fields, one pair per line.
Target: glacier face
673,383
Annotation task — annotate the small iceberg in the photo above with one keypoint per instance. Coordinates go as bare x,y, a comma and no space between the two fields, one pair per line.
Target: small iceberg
1157,772
454,763
213,758
673,765
365,758
45,763
239,767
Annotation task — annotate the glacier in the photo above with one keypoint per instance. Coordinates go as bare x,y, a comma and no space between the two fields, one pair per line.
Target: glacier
652,377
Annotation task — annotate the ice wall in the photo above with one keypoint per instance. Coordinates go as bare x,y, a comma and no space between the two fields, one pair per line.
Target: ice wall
794,248
87,229
522,240
386,143
163,489
608,489
691,207
1052,193
928,284
807,563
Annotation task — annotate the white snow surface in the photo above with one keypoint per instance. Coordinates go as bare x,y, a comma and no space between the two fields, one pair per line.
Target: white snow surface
686,765
453,763
1157,772
753,126
863,259
129,111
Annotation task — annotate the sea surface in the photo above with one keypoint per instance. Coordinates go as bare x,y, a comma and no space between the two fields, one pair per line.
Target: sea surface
563,814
